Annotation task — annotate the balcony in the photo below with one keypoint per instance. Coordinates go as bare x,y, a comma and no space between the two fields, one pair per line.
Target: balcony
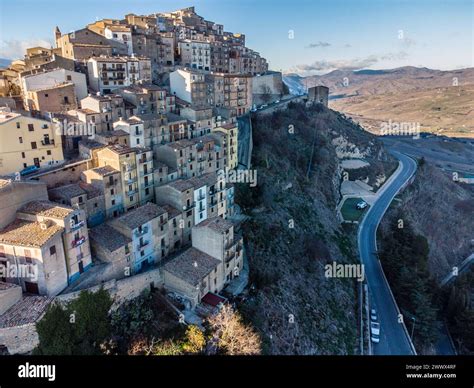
145,172
130,181
77,225
78,242
143,244
141,232
229,256
47,142
146,185
131,192
111,184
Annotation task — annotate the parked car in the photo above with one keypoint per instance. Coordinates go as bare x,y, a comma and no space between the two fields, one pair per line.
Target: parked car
29,170
361,205
373,315
375,332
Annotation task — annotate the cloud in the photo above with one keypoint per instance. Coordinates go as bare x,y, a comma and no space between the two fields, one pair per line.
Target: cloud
325,66
318,44
16,49
347,45
408,42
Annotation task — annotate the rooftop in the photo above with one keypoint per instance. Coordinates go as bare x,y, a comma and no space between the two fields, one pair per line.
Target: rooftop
181,184
172,211
66,192
105,170
28,309
28,234
47,209
192,266
217,224
141,215
109,238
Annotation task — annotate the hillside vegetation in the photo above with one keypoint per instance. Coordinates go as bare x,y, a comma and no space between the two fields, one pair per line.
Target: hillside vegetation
293,231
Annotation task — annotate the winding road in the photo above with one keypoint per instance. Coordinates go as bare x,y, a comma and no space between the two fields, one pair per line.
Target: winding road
394,339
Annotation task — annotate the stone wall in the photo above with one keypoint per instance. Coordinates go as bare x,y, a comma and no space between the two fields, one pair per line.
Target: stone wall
23,339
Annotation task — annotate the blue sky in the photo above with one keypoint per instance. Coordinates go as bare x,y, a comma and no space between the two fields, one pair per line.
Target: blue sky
305,36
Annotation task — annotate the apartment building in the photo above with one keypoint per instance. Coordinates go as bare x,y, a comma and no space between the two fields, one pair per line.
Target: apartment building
109,182
38,59
190,86
231,132
134,127
102,111
201,119
192,275
191,157
75,237
136,167
80,45
180,195
82,196
148,98
55,80
27,141
107,73
147,227
215,236
230,93
114,248
39,244
195,54
175,227
114,30
53,99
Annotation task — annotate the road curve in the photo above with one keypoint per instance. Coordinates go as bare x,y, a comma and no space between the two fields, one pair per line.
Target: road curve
393,336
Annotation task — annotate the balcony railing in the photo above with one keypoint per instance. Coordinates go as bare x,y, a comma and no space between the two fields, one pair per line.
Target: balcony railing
77,225
78,242
143,244
141,232
47,142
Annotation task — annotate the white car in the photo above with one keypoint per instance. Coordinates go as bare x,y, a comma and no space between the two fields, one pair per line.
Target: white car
375,332
373,315
361,205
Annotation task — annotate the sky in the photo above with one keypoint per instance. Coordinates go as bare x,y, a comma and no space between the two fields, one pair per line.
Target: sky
302,36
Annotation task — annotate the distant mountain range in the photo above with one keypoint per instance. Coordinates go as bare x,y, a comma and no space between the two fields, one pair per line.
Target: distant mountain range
440,101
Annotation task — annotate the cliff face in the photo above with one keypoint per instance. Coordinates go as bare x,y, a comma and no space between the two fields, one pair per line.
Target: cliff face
441,210
293,231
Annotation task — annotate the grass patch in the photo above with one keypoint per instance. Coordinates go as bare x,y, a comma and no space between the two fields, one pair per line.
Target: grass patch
349,210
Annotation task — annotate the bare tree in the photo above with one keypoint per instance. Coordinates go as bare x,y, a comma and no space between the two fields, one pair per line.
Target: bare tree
231,335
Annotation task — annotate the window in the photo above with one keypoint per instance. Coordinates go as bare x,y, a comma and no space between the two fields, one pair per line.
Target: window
69,78
81,200
113,202
52,250
31,127
112,192
33,145
20,139
46,95
27,254
23,155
